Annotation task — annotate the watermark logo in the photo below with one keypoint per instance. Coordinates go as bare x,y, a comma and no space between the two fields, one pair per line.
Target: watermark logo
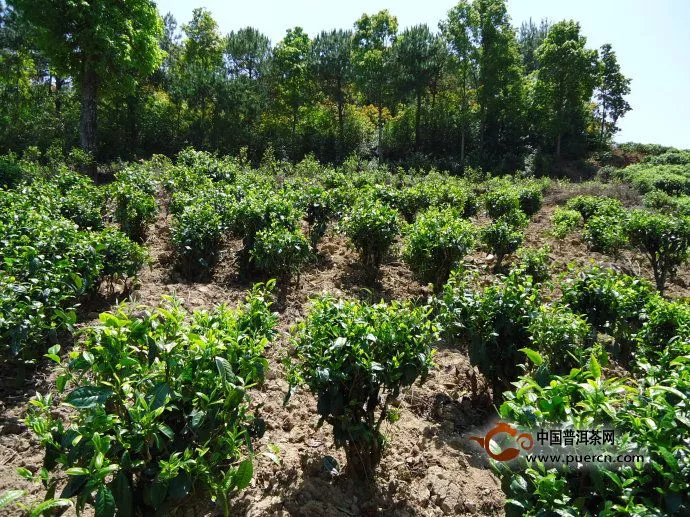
569,446
524,440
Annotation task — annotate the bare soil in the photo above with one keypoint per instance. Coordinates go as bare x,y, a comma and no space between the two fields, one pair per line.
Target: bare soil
430,467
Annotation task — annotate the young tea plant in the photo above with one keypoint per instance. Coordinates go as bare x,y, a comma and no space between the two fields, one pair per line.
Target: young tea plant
372,226
504,236
565,221
664,240
355,358
159,407
436,242
280,251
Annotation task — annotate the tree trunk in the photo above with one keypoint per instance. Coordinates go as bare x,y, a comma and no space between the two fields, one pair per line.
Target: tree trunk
462,147
58,102
341,124
380,129
417,119
293,143
558,145
87,119
132,122
603,121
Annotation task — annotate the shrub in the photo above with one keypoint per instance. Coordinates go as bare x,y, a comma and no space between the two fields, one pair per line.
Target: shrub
197,234
664,240
612,302
501,238
589,206
664,321
46,264
256,211
280,251
319,212
355,358
159,408
530,199
534,262
497,323
134,209
501,201
561,337
84,205
122,258
436,242
605,233
649,414
564,221
205,164
372,228
11,172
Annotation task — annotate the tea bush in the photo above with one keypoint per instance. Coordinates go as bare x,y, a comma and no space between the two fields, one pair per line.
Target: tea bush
589,206
280,251
135,205
46,264
565,221
319,211
159,407
372,227
530,199
605,233
611,302
501,202
502,237
650,415
496,321
122,258
664,321
534,262
664,240
355,358
259,210
561,337
436,242
197,233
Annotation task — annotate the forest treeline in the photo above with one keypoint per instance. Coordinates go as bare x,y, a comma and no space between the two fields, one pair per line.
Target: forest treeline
121,81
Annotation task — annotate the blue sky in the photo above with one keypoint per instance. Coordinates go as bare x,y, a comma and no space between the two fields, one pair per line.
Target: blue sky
651,39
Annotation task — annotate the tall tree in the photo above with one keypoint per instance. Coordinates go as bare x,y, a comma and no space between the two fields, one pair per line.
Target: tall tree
420,57
291,76
92,40
566,79
612,88
200,71
247,55
373,38
247,52
500,82
332,61
530,36
460,30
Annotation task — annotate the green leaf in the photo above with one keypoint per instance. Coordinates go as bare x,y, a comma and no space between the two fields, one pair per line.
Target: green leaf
87,397
122,493
225,370
157,395
243,475
105,502
77,471
10,496
533,356
50,504
594,367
